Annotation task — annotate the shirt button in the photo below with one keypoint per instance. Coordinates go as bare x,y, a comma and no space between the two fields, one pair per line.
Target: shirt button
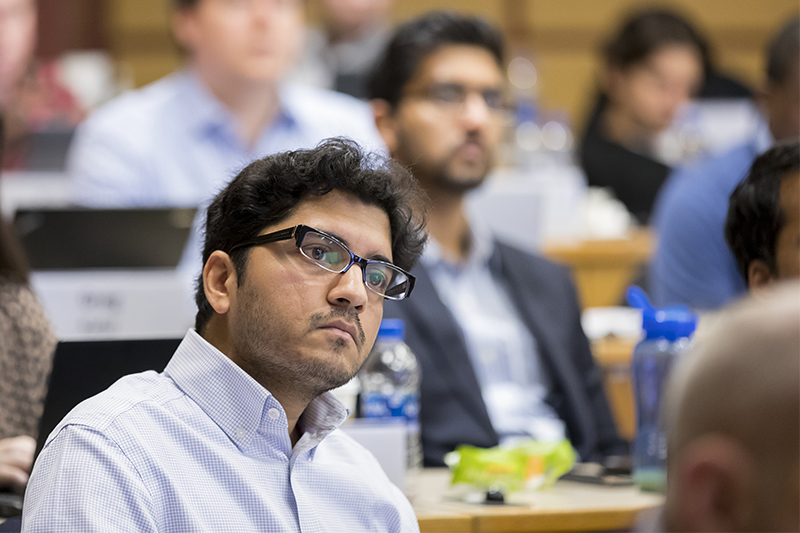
274,414
241,432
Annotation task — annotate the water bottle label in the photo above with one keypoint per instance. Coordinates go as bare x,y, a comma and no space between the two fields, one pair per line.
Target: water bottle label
376,405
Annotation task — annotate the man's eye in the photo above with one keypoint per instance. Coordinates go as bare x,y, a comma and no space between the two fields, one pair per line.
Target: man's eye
493,98
449,93
322,254
377,280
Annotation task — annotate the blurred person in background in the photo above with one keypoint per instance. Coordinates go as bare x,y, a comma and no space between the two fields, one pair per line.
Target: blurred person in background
26,352
733,413
763,224
692,264
653,66
31,96
341,52
178,140
496,330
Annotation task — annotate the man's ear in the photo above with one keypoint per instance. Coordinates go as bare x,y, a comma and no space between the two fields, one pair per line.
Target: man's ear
759,275
219,281
385,122
713,486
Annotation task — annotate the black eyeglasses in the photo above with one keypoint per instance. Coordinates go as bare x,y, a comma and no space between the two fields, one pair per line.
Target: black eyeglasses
326,251
453,96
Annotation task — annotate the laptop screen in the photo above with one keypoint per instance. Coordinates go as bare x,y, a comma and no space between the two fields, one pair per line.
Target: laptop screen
76,238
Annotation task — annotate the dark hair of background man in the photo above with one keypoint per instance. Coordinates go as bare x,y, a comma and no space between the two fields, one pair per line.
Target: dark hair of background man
267,190
755,217
415,40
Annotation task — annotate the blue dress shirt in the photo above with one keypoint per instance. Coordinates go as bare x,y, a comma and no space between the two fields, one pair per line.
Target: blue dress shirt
204,447
502,350
172,143
693,264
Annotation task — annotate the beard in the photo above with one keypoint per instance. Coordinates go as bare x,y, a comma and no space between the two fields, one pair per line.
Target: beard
442,174
269,351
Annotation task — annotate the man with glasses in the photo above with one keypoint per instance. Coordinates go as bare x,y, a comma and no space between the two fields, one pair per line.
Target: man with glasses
239,432
497,331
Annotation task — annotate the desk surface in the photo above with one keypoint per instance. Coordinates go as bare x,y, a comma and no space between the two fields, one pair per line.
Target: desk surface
568,506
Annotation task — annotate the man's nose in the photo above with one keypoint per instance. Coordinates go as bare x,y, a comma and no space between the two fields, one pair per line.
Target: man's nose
349,289
262,11
475,113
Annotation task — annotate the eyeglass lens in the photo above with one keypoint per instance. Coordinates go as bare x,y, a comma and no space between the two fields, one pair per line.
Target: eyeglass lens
455,93
380,277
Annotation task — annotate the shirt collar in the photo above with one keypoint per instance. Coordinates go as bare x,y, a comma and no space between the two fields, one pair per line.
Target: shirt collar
205,114
480,252
235,401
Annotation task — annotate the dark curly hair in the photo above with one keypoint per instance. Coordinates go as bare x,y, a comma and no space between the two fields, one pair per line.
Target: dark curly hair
267,190
416,39
754,213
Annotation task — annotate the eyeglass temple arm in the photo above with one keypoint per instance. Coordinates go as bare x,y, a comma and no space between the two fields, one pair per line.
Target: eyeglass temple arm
282,235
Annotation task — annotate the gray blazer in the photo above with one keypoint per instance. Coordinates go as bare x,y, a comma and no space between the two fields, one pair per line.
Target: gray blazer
452,411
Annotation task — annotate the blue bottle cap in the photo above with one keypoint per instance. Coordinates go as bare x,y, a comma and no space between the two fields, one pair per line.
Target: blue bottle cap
392,328
669,323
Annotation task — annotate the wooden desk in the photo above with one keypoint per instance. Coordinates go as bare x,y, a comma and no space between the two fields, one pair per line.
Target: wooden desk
568,506
603,269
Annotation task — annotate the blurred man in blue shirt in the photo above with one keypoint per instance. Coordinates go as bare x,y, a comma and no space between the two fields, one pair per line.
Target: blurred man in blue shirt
693,265
177,141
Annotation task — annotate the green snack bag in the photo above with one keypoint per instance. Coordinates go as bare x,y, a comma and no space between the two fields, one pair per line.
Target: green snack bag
527,464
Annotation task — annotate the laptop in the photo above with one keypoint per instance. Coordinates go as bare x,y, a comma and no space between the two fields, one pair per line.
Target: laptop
79,238
47,150
82,369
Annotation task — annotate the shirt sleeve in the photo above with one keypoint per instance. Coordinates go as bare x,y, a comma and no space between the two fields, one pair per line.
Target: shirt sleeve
83,481
105,166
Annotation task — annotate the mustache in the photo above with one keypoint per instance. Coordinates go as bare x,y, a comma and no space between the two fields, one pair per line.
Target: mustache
320,319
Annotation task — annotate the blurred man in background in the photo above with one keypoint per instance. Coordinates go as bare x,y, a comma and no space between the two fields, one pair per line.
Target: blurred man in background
179,140
497,331
693,265
341,52
734,416
763,224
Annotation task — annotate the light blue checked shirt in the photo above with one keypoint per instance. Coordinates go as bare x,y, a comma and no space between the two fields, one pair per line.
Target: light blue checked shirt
204,447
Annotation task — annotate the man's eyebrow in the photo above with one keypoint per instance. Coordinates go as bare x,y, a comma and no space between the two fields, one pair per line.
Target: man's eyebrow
372,256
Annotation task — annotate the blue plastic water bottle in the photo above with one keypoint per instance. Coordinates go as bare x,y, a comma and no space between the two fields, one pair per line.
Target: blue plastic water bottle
667,333
390,380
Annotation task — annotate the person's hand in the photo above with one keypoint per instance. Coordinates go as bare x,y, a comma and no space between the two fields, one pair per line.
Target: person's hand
16,459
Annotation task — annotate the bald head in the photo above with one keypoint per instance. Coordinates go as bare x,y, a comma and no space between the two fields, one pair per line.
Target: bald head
734,416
